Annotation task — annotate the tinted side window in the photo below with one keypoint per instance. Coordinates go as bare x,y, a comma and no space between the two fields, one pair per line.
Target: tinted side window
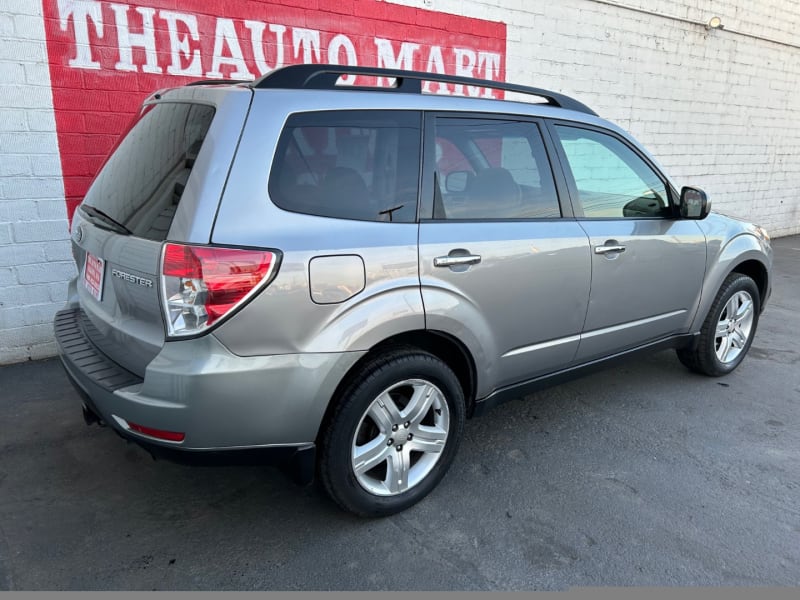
492,169
360,165
611,179
141,183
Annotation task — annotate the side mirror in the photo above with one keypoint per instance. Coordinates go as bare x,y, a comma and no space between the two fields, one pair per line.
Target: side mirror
694,203
456,182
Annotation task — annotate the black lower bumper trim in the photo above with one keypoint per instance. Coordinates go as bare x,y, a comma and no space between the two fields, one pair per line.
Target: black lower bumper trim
296,462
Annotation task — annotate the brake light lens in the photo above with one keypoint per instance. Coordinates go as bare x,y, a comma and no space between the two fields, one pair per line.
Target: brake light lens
170,436
201,284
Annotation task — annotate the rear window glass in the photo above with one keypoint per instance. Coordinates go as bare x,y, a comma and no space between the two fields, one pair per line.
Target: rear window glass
141,183
361,165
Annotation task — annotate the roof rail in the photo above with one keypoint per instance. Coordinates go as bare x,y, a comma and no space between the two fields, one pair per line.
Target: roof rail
218,82
325,77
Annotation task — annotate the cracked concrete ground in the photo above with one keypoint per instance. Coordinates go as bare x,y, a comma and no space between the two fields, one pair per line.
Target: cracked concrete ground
640,475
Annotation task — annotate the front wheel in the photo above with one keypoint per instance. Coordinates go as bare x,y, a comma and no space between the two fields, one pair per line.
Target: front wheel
728,330
393,434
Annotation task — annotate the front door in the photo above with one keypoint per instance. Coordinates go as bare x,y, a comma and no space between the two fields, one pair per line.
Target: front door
647,264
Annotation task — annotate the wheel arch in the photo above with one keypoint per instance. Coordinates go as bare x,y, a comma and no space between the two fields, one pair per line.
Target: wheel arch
757,271
703,355
743,254
444,346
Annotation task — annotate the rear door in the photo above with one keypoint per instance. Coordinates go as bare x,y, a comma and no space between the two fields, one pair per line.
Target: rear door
647,264
501,267
146,186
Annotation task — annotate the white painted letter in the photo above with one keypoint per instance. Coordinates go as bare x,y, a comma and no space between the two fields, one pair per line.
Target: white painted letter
225,34
126,39
465,67
81,11
388,60
257,41
435,64
179,46
308,40
490,62
337,43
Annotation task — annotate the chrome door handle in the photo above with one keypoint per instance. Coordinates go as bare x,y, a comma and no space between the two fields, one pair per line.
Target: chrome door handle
451,261
607,249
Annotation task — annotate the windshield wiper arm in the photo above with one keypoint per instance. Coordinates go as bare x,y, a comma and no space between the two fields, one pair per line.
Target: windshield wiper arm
110,222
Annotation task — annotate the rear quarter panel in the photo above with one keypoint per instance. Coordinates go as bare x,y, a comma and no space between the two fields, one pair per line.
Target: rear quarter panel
283,318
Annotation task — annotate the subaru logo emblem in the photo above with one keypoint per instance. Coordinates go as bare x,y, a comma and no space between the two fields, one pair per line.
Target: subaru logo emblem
77,235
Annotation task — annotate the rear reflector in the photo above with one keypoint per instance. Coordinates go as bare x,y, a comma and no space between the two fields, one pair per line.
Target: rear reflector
170,436
201,284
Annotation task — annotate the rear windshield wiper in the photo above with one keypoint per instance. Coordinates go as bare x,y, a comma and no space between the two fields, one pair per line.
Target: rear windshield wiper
101,219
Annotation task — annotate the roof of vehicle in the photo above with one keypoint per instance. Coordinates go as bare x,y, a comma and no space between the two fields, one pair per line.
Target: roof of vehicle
318,87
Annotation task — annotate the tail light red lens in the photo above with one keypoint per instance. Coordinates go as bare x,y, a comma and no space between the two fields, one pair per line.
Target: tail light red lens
201,284
170,436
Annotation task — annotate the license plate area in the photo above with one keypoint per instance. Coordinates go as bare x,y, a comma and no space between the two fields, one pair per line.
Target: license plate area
94,270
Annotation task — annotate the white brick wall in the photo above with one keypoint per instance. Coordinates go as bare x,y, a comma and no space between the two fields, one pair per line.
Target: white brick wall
719,109
35,258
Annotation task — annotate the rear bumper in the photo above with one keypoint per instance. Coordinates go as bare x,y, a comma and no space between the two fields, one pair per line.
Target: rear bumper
221,402
298,462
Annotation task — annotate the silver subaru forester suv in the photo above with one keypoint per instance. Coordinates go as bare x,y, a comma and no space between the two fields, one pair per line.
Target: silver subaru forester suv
334,277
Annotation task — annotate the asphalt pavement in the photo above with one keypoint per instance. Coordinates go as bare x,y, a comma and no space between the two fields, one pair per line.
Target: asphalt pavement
644,474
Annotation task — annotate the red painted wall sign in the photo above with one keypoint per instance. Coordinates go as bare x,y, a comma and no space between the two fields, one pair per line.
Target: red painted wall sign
106,57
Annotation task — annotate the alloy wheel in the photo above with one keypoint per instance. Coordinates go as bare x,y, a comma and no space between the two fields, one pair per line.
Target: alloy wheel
400,437
734,327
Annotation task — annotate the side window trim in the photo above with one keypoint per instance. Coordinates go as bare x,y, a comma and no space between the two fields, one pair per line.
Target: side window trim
428,190
569,179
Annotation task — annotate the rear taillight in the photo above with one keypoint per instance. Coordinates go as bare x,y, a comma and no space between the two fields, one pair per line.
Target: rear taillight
201,284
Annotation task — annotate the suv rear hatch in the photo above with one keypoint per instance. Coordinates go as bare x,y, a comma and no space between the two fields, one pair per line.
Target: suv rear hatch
162,182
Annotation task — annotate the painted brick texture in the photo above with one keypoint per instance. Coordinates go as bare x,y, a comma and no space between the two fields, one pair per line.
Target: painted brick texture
120,53
35,257
717,108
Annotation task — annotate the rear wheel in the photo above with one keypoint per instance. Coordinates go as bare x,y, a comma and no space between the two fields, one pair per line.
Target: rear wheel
728,330
393,434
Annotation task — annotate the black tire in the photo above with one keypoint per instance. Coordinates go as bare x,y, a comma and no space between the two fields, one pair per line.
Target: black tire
335,466
702,358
